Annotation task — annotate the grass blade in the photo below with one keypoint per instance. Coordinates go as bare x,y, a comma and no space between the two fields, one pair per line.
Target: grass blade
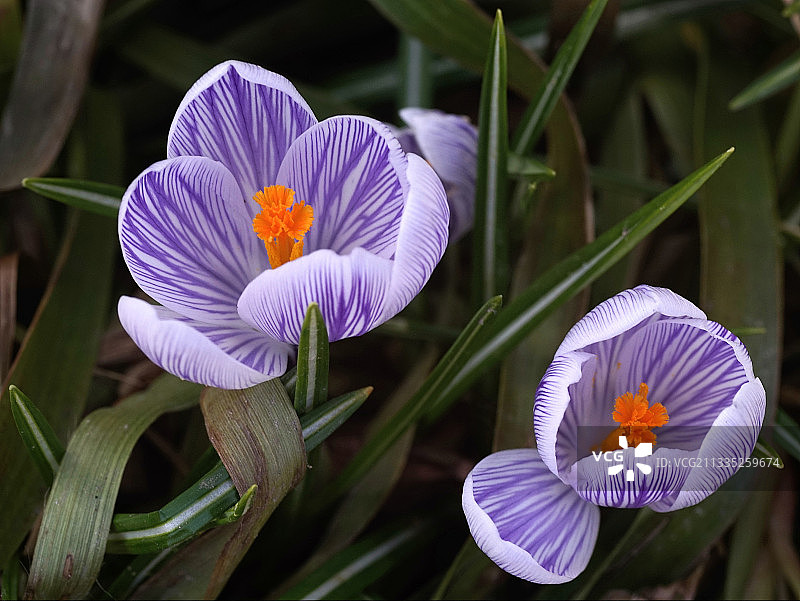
425,401
95,197
320,423
538,112
39,437
311,388
771,82
350,571
568,277
78,512
256,433
416,87
490,241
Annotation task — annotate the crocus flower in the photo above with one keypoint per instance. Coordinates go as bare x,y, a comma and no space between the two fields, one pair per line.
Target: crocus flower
260,210
450,144
644,365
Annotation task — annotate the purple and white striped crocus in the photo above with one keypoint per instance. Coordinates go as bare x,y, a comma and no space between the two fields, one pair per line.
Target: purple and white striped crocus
260,210
450,144
535,513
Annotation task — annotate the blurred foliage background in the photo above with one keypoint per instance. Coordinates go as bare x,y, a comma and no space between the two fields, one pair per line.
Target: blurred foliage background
89,90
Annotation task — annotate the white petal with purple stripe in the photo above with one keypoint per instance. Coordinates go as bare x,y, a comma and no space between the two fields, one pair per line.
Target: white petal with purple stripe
187,238
450,144
730,440
624,311
243,116
224,357
422,236
526,520
352,171
350,289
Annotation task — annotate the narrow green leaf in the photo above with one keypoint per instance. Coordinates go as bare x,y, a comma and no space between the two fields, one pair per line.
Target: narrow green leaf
536,115
490,239
528,168
95,197
425,401
239,508
135,573
351,571
460,581
257,435
289,381
416,87
311,388
189,513
670,97
78,512
366,498
568,277
213,500
41,441
84,263
764,450
771,82
460,30
321,422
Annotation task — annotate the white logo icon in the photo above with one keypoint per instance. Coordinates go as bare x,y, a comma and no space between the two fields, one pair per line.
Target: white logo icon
643,449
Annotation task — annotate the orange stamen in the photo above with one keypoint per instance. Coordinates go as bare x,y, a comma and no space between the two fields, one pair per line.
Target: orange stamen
282,223
636,418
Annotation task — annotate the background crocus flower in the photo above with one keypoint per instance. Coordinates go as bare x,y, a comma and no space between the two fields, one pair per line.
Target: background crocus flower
450,144
260,210
646,364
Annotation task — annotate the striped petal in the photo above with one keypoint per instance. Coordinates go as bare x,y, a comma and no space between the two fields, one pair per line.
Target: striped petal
620,479
552,423
350,289
729,441
526,520
624,311
450,144
422,238
187,239
352,171
243,116
219,356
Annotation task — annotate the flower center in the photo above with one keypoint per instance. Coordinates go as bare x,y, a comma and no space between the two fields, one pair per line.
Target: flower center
636,418
282,223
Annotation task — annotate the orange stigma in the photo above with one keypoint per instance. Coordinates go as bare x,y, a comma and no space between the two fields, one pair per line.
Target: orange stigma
636,418
282,223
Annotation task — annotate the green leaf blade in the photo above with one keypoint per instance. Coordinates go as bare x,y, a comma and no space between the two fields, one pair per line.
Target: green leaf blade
95,197
39,437
78,513
490,254
536,115
569,276
312,362
771,82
